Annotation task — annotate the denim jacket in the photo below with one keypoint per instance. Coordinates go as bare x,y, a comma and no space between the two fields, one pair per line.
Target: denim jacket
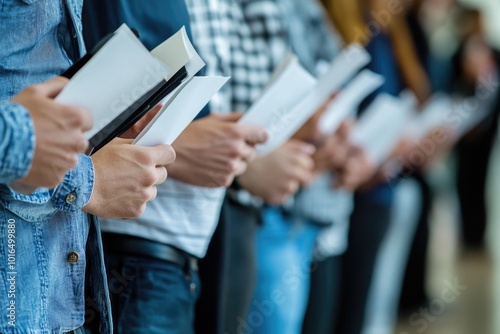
47,244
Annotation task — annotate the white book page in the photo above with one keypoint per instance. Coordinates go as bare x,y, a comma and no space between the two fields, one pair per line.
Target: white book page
179,112
381,126
289,60
347,101
176,52
116,76
346,65
271,110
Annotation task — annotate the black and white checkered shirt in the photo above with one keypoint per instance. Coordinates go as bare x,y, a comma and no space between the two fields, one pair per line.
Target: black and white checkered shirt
247,39
223,37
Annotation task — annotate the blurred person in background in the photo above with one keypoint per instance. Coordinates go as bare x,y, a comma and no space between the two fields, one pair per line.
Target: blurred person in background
286,241
401,267
223,34
258,33
378,25
413,292
474,62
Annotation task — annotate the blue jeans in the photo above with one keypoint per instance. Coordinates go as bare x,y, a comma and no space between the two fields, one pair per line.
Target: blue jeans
284,255
151,296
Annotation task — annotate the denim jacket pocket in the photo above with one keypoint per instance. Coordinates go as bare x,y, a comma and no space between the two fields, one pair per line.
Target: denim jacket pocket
30,212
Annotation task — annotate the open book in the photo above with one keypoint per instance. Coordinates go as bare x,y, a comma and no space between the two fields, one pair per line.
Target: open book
293,95
119,81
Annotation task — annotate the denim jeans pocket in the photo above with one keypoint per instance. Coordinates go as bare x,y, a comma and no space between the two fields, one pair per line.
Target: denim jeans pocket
161,298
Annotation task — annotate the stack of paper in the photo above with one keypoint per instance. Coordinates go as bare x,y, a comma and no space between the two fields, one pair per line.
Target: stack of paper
294,109
121,81
345,104
381,126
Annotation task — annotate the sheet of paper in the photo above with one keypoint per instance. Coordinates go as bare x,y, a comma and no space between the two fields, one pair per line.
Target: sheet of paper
118,74
184,105
176,52
381,126
342,68
347,101
271,110
290,60
433,114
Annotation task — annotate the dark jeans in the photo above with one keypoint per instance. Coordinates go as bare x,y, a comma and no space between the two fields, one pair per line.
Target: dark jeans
151,296
324,296
369,224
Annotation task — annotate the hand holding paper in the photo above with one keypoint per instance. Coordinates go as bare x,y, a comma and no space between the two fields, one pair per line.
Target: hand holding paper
179,110
381,126
121,80
214,149
126,177
283,117
277,176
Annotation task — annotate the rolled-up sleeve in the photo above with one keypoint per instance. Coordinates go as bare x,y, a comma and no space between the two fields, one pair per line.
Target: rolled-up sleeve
17,145
70,196
76,189
17,142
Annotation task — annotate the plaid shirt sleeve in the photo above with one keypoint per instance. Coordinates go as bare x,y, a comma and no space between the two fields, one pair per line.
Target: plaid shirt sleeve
223,36
210,32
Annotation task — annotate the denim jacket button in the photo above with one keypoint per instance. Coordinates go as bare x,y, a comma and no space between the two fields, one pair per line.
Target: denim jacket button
71,198
73,257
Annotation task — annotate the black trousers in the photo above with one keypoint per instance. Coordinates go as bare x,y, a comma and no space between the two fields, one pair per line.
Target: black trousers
228,272
473,154
369,223
324,296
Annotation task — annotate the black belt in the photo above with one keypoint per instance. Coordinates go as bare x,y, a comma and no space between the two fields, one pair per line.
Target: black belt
125,244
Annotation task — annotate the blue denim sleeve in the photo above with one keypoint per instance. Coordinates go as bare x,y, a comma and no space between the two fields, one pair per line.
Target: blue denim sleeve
17,141
70,196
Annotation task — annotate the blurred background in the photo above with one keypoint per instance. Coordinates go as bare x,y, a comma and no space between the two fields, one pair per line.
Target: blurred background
460,237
